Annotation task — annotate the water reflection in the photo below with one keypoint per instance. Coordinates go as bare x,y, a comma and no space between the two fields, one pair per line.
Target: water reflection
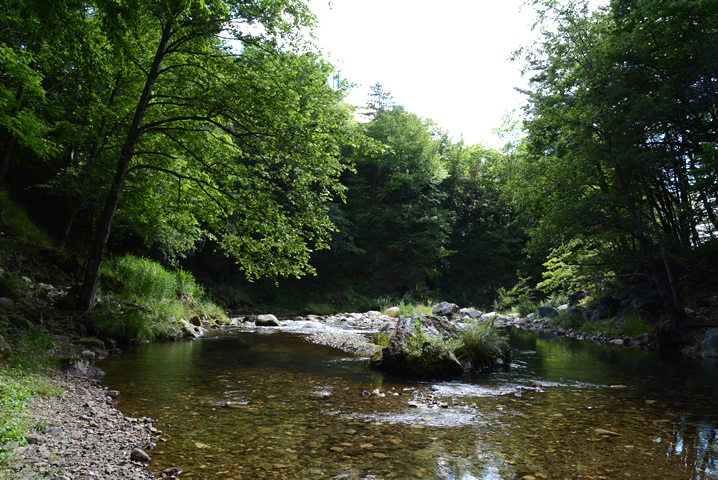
262,405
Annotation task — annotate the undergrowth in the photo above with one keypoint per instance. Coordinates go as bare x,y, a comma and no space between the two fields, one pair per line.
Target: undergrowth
21,377
142,299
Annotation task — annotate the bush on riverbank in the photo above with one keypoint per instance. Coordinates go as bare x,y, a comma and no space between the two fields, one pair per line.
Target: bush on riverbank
141,299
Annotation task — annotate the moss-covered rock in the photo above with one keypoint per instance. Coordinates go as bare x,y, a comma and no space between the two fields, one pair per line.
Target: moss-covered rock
420,347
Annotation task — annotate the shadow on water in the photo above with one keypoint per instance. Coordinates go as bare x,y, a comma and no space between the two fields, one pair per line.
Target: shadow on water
268,404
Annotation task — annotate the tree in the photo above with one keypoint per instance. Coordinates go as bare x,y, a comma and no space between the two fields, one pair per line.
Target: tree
394,219
486,235
208,120
610,160
380,100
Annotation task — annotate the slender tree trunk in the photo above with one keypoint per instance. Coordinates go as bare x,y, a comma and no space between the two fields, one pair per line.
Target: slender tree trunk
93,262
670,293
673,302
76,202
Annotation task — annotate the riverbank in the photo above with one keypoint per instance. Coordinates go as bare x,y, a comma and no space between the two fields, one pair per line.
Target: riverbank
80,435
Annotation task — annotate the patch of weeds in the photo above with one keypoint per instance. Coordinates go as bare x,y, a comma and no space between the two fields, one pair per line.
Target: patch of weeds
151,300
481,343
556,299
382,339
419,343
632,325
526,307
17,386
518,294
408,309
30,350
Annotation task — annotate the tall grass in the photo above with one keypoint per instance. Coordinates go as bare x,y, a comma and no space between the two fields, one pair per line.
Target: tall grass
152,299
481,343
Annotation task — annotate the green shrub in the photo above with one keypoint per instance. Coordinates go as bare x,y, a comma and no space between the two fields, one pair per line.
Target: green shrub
556,299
186,285
518,294
526,307
382,339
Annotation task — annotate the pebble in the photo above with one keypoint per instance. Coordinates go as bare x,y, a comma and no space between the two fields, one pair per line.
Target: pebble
81,421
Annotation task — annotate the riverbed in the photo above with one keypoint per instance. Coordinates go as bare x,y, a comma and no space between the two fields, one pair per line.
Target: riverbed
267,404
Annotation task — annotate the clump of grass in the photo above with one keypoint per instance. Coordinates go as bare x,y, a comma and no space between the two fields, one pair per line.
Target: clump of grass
420,344
481,344
408,309
526,307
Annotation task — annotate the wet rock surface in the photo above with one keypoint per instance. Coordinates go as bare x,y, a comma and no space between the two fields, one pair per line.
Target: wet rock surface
81,435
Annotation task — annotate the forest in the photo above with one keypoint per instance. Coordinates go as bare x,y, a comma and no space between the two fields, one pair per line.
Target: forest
213,136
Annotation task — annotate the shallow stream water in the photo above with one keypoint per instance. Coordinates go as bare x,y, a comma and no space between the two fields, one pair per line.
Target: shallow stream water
267,404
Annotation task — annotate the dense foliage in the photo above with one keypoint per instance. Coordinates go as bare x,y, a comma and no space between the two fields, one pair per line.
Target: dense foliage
618,166
180,121
177,129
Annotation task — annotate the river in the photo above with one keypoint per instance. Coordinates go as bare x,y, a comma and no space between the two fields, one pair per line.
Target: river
267,404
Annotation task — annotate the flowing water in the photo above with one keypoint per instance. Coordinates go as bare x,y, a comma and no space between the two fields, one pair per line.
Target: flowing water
269,405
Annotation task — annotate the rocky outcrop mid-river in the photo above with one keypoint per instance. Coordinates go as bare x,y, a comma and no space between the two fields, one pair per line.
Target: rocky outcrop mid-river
82,436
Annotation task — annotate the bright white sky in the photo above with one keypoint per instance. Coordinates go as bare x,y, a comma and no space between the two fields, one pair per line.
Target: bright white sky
447,61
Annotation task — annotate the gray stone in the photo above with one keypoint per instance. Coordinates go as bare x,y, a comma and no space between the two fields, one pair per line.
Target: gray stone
267,320
471,313
88,356
139,456
7,303
5,349
174,333
21,322
195,320
446,309
392,312
547,311
400,358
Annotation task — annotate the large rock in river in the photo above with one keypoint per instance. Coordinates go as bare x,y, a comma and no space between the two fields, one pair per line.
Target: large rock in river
420,347
267,320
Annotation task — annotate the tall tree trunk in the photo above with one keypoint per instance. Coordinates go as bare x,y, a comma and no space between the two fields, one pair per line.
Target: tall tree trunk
93,261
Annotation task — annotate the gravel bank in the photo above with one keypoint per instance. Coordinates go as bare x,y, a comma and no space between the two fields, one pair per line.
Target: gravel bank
84,437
